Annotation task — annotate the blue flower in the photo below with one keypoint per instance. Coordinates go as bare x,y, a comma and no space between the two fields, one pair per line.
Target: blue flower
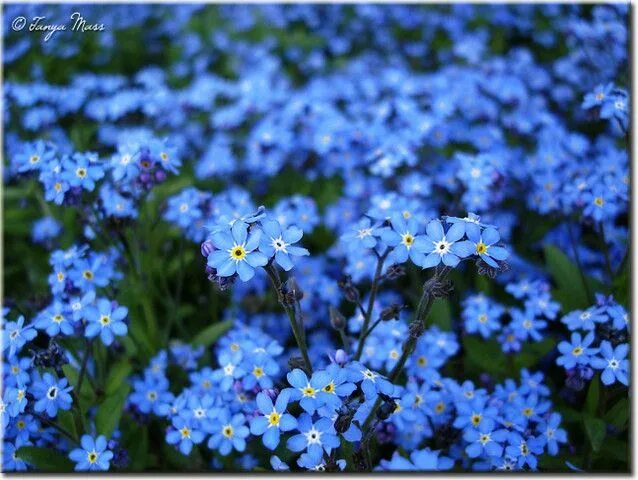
524,450
82,171
106,320
575,352
279,242
314,437
16,335
229,433
420,460
363,235
93,456
51,394
403,237
550,433
441,246
584,319
485,440
278,465
237,252
371,382
310,393
613,362
273,419
185,433
150,393
598,96
55,319
483,245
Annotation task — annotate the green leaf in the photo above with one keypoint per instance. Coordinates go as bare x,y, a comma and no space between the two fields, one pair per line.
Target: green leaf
571,292
210,334
591,402
45,459
484,354
117,375
110,411
596,430
66,421
532,353
615,449
441,314
618,415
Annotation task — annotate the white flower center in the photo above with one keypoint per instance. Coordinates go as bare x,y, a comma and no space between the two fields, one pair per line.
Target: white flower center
279,245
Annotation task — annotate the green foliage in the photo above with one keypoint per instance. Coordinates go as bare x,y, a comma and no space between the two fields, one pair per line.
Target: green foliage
45,459
110,411
210,334
573,289
595,429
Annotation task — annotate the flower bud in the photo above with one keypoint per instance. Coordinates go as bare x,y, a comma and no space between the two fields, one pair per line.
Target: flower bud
337,320
206,248
341,357
350,292
391,312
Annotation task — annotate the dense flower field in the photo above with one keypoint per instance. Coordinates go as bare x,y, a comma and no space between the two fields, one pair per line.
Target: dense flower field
316,237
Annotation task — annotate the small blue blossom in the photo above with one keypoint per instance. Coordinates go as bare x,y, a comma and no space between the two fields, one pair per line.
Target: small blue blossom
93,454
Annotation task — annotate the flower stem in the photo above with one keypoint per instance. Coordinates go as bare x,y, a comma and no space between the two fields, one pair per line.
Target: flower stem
373,296
296,329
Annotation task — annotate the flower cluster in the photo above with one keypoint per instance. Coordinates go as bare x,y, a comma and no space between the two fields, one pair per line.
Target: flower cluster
413,221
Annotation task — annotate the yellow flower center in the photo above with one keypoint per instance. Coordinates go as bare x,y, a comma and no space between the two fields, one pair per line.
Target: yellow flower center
164,156
238,253
481,248
407,239
185,432
92,457
476,419
439,407
88,274
577,351
273,419
309,392
422,361
58,318
418,400
34,158
600,96
57,186
482,318
206,384
81,172
105,320
599,202
528,411
21,424
228,431
330,388
394,354
258,372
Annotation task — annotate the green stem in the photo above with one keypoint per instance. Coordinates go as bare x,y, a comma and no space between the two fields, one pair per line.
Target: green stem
422,314
373,295
85,359
276,281
583,279
60,429
605,250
